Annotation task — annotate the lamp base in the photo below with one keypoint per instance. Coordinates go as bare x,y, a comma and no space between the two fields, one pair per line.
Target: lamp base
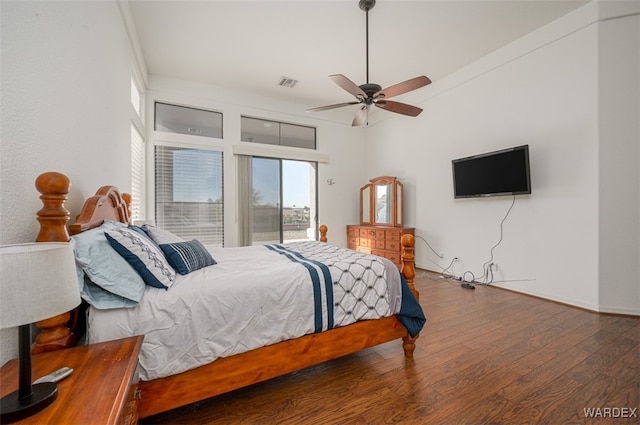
13,409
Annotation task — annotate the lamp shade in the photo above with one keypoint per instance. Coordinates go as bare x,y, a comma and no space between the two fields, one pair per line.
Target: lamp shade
37,281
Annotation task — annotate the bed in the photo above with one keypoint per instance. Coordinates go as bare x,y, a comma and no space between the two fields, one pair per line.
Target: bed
277,346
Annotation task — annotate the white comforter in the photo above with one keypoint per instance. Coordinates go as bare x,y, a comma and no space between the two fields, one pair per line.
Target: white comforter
253,297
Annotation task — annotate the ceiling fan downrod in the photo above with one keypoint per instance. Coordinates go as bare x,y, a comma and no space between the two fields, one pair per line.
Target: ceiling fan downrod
367,5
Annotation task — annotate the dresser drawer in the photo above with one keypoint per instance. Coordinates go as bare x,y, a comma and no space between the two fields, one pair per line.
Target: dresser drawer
392,245
364,250
393,256
393,235
368,233
383,241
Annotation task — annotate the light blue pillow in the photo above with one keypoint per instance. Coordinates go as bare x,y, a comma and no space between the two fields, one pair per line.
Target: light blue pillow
187,257
103,266
100,298
143,255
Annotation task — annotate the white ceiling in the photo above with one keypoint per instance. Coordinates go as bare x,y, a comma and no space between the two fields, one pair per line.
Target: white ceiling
250,45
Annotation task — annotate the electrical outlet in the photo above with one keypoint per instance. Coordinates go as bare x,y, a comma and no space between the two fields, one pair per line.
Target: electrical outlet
494,267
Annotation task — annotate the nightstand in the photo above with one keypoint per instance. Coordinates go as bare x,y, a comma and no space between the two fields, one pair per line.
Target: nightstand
101,390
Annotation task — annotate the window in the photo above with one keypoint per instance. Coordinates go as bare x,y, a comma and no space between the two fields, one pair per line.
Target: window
136,97
257,130
277,188
283,200
137,175
186,120
138,156
189,193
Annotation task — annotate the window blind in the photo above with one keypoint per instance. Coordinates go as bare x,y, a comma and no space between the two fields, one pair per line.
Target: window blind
189,193
137,175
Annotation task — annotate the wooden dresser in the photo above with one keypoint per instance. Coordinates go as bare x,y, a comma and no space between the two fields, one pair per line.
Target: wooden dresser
383,241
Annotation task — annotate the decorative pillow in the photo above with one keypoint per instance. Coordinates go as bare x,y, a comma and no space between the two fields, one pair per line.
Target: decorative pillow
187,257
139,230
161,236
145,257
103,266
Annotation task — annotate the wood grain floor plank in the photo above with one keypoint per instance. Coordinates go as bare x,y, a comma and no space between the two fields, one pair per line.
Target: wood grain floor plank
488,356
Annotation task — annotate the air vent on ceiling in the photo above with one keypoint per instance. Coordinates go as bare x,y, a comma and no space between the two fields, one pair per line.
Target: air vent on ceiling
287,82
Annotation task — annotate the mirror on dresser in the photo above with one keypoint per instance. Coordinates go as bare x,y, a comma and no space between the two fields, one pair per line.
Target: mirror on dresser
381,202
381,220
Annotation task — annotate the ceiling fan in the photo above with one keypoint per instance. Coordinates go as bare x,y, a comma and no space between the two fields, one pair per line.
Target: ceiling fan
373,94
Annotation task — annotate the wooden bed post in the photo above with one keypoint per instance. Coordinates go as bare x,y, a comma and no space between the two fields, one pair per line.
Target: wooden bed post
323,233
407,259
408,270
126,197
53,217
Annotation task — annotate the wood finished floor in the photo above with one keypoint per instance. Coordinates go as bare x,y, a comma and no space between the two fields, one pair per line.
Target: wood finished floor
487,356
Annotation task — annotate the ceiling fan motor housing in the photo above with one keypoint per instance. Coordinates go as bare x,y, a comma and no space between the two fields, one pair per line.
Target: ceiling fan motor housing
370,89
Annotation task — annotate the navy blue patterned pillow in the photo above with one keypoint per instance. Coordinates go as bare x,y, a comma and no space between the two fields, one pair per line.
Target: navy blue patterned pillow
187,257
143,255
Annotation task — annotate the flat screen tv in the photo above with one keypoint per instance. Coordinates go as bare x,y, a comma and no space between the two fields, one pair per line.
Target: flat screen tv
503,172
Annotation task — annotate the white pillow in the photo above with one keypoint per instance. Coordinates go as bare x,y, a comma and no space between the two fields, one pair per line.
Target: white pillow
161,236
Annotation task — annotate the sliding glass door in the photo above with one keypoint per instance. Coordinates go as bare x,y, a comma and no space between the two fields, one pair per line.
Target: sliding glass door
284,200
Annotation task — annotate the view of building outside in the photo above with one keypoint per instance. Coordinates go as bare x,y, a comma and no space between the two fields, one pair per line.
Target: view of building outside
292,182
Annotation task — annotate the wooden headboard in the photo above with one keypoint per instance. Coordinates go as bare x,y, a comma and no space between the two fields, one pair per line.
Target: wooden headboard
107,204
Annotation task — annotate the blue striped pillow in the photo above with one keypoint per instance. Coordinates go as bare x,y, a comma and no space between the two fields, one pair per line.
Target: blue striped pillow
187,257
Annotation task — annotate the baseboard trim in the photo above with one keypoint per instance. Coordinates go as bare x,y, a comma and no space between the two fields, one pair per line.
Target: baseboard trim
608,310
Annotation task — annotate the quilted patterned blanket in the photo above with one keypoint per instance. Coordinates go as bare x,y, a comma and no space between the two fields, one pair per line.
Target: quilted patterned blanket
253,297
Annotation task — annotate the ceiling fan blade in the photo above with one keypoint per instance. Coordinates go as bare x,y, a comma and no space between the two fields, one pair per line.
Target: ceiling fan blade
399,108
347,85
361,116
337,105
404,87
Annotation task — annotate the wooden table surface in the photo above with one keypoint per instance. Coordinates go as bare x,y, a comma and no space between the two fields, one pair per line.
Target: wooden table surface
95,393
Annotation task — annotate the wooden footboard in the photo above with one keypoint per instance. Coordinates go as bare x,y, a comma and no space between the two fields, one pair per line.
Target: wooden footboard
241,370
226,374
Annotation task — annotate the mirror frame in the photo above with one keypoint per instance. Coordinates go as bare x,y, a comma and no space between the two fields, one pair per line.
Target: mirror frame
396,197
366,201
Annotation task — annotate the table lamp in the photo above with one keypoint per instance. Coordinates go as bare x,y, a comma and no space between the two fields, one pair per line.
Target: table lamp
37,281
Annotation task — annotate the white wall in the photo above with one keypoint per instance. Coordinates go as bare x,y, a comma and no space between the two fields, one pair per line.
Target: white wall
66,72
543,90
619,132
